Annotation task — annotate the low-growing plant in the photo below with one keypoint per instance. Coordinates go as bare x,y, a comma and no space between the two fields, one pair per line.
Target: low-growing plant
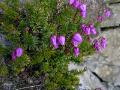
41,37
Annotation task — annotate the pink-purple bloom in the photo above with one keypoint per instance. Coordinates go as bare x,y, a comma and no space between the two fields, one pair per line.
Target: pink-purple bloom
83,14
107,13
92,29
19,52
76,51
16,53
83,26
83,8
76,4
88,29
103,42
75,43
61,40
53,41
76,39
71,1
96,45
100,44
85,29
13,55
100,18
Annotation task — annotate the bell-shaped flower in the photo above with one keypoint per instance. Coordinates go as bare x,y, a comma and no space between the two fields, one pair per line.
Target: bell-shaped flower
87,30
107,13
13,55
61,40
76,51
93,29
53,41
83,14
100,18
71,1
76,4
76,39
19,52
96,45
83,8
75,43
103,42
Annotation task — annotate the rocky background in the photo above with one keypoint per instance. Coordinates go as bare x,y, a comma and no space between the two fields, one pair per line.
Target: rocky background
102,70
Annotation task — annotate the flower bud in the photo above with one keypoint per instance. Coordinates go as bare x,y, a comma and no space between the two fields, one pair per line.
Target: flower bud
19,52
103,42
75,43
92,29
83,14
13,55
100,19
87,31
61,40
83,8
76,4
53,41
107,13
76,51
96,45
71,1
77,37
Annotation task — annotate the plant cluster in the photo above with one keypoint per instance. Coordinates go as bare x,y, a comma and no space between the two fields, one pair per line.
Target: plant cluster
41,39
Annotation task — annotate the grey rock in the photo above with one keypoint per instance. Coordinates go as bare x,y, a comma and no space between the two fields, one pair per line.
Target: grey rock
114,20
8,86
104,66
4,42
88,81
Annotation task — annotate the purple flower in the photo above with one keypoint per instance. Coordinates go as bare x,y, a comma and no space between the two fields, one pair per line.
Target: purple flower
87,30
76,39
83,8
71,1
19,52
96,45
61,40
100,18
103,42
53,41
75,43
107,13
92,29
16,53
83,14
13,55
76,51
76,4
83,26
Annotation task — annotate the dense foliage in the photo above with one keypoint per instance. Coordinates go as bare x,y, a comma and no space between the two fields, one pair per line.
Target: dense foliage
29,26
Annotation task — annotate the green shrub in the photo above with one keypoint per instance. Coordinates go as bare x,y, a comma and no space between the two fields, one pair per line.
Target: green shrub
29,26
